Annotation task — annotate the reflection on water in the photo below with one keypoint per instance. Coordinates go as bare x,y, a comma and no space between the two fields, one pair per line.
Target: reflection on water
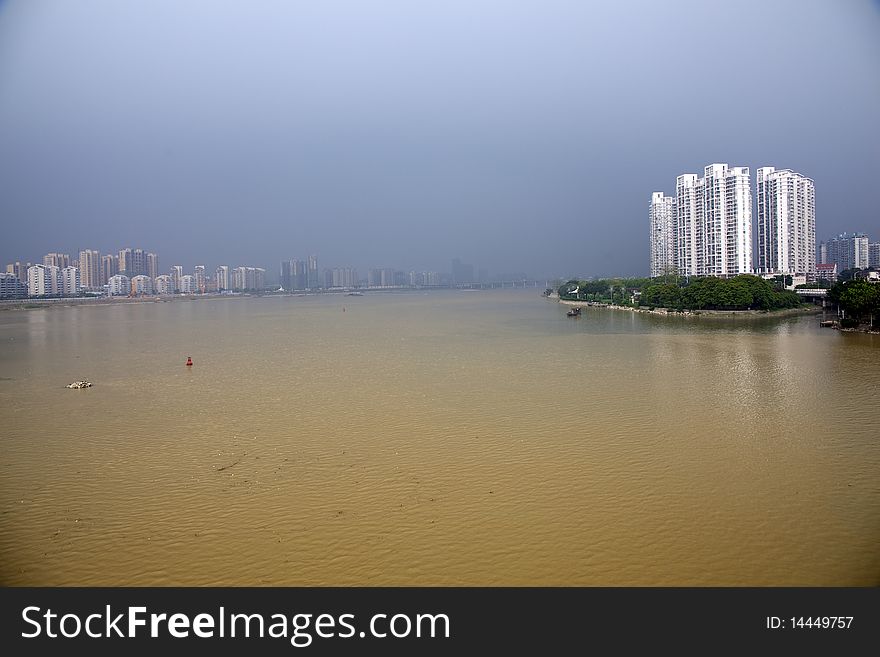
442,438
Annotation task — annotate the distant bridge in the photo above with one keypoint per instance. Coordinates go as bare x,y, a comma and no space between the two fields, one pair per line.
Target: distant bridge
464,286
501,284
816,295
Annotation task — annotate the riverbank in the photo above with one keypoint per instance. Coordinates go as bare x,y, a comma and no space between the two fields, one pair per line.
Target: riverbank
35,304
69,302
726,314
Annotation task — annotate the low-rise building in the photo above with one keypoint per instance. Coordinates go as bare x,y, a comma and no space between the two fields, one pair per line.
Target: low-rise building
11,287
164,284
188,284
827,271
141,284
119,285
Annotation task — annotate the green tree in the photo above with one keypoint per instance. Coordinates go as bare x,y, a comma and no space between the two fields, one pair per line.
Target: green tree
859,299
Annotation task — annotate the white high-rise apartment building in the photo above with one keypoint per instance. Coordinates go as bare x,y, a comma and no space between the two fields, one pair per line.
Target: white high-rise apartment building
69,280
786,222
221,278
43,280
176,274
727,221
661,213
199,275
239,278
688,235
711,228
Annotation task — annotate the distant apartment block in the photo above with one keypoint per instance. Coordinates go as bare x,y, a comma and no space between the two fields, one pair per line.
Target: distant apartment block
90,269
201,279
248,278
423,278
70,283
141,284
163,284
340,277
221,278
176,274
786,222
11,287
133,262
44,280
285,275
874,254
109,268
847,251
188,284
119,285
20,269
294,275
312,276
661,215
386,277
60,260
152,265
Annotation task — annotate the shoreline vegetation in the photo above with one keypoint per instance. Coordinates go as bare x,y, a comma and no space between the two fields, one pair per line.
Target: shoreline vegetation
857,302
674,293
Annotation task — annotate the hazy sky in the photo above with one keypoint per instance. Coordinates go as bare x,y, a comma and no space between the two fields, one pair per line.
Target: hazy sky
516,135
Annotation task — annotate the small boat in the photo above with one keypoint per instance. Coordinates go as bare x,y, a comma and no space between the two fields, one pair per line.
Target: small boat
574,312
79,385
355,294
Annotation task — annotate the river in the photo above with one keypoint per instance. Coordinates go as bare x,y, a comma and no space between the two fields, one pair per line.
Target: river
440,438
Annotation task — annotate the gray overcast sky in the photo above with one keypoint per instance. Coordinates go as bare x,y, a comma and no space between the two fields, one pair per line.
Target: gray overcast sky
518,135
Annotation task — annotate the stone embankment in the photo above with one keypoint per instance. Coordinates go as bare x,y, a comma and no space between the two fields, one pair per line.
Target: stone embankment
785,312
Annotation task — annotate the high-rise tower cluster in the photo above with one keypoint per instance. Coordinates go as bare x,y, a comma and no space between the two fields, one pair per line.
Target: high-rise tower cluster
706,229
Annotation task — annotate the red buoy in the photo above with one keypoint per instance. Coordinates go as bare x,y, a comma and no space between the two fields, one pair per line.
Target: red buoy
189,361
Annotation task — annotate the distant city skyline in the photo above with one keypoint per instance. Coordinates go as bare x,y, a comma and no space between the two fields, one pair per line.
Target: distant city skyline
136,271
512,135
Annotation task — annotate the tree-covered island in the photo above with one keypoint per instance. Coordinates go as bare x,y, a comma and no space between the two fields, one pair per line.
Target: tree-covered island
744,292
